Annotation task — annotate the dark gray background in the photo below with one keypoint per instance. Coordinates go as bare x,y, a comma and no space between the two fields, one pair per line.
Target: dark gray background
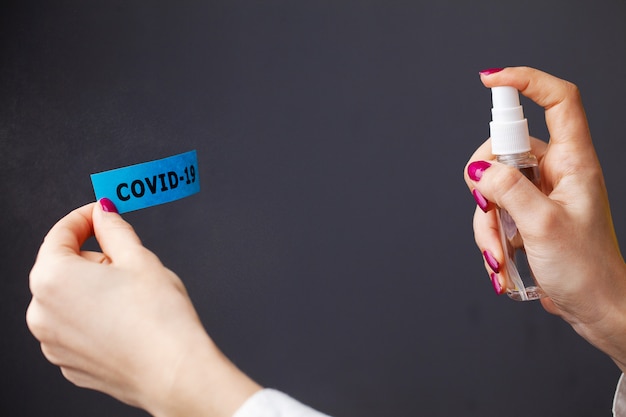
330,251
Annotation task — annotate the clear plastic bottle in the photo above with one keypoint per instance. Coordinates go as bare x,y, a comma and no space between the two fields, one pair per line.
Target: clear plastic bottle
510,143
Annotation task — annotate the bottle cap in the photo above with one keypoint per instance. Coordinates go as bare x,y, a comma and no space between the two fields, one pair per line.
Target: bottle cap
509,128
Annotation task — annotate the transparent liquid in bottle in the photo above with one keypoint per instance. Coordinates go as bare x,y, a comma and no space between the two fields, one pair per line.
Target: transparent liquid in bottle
520,282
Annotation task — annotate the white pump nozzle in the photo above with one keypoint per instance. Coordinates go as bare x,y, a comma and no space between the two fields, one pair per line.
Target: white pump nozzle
509,128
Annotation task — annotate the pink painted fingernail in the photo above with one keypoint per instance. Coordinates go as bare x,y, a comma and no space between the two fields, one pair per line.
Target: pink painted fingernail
482,202
490,71
476,169
491,261
107,205
495,281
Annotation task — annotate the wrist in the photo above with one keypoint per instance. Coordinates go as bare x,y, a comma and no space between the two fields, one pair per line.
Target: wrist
205,383
607,331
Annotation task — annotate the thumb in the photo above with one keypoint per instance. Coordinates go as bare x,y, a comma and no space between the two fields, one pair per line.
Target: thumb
116,237
511,190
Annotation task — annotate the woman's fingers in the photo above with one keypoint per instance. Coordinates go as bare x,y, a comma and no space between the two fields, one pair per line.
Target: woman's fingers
508,188
68,235
116,237
565,115
483,153
487,236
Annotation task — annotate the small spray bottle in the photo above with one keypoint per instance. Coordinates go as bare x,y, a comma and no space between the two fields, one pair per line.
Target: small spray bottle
510,144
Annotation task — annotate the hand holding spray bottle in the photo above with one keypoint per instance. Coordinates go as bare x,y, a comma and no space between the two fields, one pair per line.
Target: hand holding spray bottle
510,143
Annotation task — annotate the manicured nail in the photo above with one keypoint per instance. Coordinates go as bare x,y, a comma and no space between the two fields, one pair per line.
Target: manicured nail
475,169
490,71
495,281
482,202
107,205
491,261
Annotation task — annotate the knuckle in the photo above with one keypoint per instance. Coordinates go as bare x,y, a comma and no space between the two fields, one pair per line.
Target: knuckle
72,376
44,279
33,319
120,224
571,91
50,354
37,323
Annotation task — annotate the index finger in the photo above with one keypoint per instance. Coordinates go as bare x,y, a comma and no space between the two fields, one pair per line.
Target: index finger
68,235
565,115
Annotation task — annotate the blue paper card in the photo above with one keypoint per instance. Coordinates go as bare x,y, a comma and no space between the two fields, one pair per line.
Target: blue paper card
150,183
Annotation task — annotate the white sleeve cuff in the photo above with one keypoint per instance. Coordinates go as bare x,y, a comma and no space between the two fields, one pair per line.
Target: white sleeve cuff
272,403
619,401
